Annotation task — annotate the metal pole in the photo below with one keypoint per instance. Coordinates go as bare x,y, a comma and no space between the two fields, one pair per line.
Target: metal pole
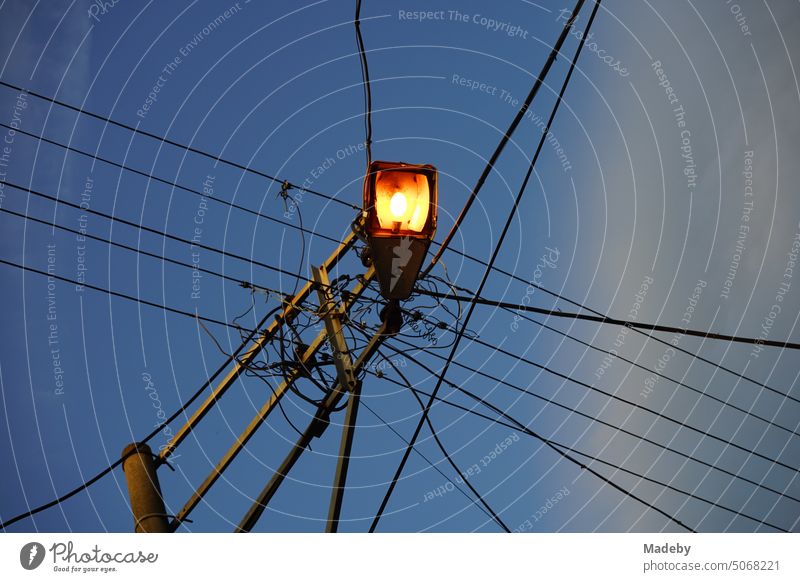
144,491
333,317
268,406
315,428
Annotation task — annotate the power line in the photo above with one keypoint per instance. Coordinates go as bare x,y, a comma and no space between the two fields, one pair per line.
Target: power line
647,336
483,301
455,386
426,459
613,321
602,477
190,149
736,512
365,83
171,184
602,319
515,424
173,143
224,202
125,296
132,298
587,417
447,456
107,470
660,375
631,403
158,232
86,484
169,420
550,444
519,425
332,239
495,253
507,136
240,282
155,231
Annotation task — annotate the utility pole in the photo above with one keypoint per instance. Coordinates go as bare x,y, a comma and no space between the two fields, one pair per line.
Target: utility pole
144,491
315,429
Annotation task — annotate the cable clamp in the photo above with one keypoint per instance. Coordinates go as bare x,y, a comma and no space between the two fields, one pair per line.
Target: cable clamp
284,193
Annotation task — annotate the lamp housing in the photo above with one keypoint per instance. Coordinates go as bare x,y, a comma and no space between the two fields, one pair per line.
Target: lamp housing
400,208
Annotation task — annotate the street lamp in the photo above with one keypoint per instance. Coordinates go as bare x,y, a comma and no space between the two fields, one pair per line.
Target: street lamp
400,202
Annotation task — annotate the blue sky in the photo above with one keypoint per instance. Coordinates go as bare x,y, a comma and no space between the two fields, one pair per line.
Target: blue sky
667,191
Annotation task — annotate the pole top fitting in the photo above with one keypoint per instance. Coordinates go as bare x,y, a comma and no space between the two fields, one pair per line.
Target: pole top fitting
136,448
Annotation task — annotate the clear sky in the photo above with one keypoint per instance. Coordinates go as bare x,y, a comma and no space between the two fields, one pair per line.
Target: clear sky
666,193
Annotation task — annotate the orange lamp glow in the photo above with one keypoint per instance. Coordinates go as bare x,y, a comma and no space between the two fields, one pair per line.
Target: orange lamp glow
400,200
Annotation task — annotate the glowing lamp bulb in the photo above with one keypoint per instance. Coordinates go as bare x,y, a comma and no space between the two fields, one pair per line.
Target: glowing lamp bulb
400,200
398,205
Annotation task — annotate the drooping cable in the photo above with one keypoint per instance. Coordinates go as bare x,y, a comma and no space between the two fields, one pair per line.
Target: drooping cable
173,143
507,136
145,253
421,454
550,444
171,184
122,295
155,231
483,502
366,85
701,392
516,424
